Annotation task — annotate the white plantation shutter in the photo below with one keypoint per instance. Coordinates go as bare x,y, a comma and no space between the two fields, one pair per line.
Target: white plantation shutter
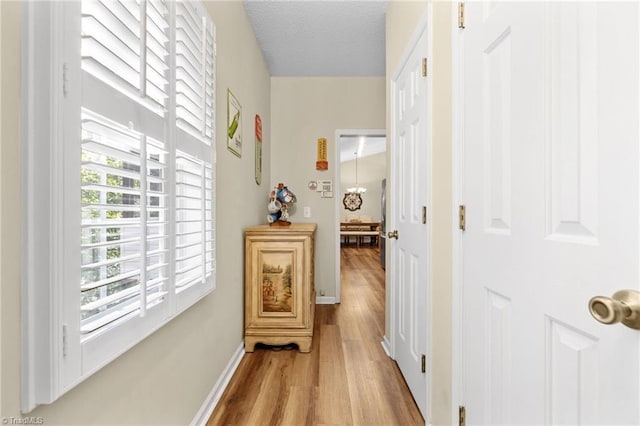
195,168
124,222
156,43
124,183
195,65
125,45
131,236
194,221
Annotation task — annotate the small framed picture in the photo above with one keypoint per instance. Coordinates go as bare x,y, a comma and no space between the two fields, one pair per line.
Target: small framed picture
258,150
312,185
234,124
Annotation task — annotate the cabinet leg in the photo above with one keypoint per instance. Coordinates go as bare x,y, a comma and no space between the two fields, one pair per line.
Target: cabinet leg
249,344
304,344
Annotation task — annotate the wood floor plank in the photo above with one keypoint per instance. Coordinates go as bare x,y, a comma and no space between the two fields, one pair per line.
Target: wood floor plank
346,378
334,404
300,406
362,390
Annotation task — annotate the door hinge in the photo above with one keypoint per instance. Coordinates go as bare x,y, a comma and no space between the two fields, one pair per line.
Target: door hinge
64,340
424,214
423,364
424,67
462,416
462,217
65,79
461,15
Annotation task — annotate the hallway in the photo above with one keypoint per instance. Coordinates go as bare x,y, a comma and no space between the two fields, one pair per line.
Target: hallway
346,379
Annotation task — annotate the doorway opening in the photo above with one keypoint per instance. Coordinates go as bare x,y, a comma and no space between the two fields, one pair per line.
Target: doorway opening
362,158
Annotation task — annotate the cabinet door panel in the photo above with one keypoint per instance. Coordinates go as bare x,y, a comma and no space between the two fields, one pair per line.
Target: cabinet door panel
277,269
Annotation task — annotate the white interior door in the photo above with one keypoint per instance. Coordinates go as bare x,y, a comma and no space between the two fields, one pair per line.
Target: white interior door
550,184
409,270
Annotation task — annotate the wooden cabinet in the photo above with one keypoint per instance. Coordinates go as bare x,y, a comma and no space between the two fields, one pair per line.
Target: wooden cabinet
280,296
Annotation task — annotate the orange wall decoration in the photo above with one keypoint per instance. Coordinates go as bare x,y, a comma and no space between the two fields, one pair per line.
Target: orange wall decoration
322,163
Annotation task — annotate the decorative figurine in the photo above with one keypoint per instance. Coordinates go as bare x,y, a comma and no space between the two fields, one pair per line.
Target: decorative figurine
280,200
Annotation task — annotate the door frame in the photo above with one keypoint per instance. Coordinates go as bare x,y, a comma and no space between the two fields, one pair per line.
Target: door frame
424,25
457,149
337,192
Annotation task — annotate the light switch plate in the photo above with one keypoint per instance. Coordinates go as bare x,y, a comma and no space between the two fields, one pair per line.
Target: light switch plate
307,211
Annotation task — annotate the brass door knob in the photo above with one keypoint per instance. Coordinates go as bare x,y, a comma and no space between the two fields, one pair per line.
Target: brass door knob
392,234
623,306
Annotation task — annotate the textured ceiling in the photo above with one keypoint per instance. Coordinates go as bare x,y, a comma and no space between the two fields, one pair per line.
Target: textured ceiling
320,38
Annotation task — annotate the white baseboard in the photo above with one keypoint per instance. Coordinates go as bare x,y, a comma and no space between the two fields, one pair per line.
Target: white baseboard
325,300
386,346
214,396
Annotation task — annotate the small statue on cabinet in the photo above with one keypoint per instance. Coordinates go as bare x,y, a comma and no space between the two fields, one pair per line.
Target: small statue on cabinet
280,200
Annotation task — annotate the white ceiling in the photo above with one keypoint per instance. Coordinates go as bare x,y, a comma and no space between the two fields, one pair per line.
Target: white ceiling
320,37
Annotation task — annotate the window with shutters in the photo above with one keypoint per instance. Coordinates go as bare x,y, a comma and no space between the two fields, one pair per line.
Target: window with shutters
120,228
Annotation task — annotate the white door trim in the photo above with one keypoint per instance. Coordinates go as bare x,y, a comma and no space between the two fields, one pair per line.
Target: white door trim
425,24
457,62
337,195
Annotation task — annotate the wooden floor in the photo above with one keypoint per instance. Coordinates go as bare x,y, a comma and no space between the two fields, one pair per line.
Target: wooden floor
347,379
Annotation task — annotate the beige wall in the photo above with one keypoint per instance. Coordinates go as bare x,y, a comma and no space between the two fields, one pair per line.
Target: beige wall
304,109
402,18
371,170
166,378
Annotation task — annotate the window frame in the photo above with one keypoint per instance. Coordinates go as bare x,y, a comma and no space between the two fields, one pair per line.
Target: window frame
55,357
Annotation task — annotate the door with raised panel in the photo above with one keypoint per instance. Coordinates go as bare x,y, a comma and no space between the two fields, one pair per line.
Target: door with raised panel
550,181
409,264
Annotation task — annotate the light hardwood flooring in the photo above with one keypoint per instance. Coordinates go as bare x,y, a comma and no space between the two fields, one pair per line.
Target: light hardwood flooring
347,379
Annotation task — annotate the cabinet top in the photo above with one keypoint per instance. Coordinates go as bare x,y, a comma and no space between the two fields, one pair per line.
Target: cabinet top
278,229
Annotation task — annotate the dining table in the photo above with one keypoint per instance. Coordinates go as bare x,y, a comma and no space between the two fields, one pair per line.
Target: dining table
352,228
349,226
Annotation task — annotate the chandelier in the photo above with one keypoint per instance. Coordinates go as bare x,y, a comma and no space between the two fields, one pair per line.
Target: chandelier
352,198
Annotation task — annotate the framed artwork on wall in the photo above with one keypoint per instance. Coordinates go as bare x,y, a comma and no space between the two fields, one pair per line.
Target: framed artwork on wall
234,124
